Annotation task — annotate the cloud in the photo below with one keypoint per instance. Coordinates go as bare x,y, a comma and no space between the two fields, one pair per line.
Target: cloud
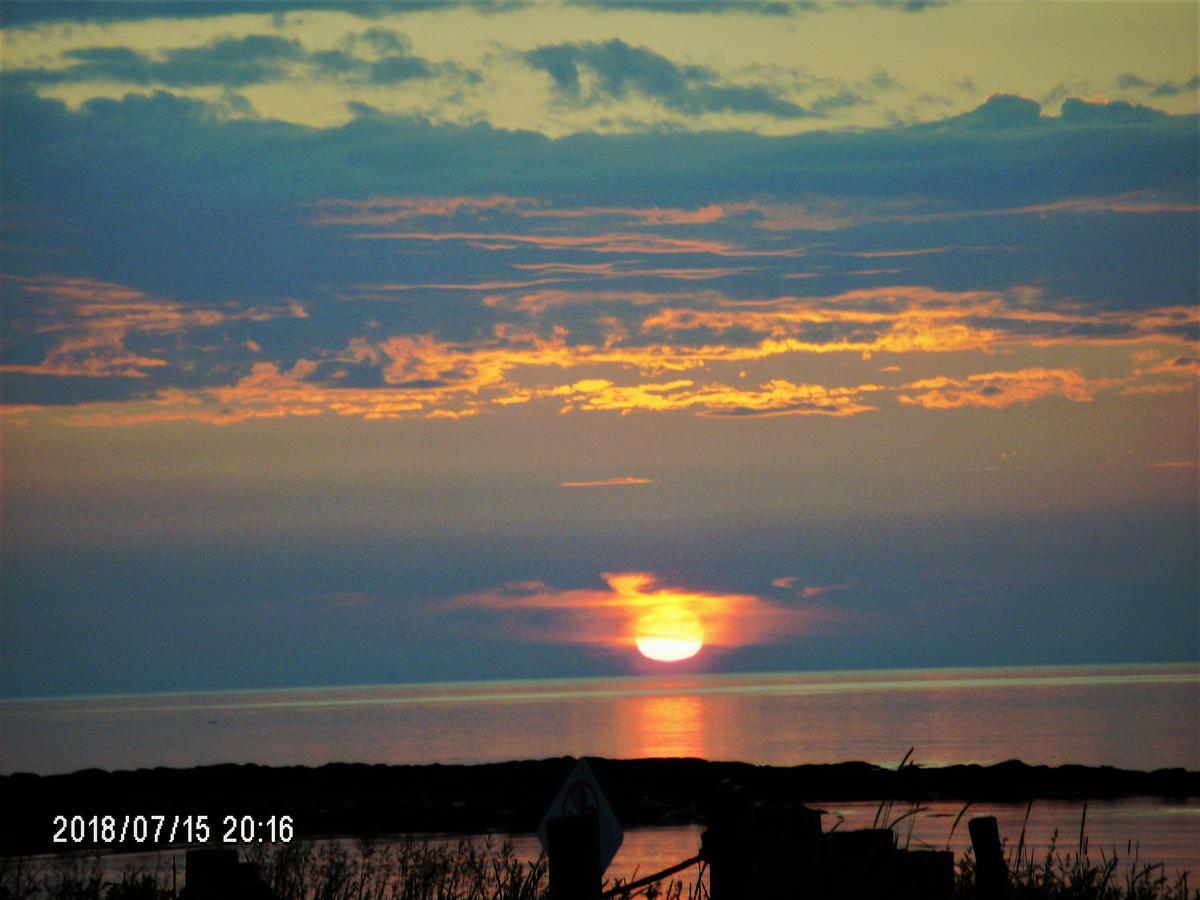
608,617
614,242
1129,81
998,390
778,397
809,592
642,215
390,210
231,62
640,361
28,15
151,185
241,62
1002,111
1116,112
621,481
610,270
903,319
589,73
910,6
93,320
701,7
395,69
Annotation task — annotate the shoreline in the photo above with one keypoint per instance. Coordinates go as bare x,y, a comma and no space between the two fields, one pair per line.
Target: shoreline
352,799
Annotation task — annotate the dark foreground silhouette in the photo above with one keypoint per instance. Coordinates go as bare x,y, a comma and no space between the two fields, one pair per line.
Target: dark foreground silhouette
353,799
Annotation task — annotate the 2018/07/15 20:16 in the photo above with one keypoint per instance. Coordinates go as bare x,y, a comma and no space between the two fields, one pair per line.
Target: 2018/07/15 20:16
143,829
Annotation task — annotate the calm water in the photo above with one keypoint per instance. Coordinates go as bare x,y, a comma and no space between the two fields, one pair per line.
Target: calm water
1139,717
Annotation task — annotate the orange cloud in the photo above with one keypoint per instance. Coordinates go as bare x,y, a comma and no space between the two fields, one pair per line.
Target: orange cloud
538,302
495,285
390,210
907,318
778,397
594,243
653,215
616,270
815,214
811,592
645,359
998,390
607,482
1134,203
1121,203
607,617
96,318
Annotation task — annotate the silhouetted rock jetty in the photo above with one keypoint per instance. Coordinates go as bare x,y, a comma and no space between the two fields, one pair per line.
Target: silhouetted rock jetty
350,799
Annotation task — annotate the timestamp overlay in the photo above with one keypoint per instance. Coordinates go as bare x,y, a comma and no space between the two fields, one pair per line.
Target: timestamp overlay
155,829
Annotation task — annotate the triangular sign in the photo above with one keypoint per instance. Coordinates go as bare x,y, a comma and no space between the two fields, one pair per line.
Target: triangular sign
580,794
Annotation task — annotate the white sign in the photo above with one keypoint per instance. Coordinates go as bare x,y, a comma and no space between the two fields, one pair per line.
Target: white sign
581,795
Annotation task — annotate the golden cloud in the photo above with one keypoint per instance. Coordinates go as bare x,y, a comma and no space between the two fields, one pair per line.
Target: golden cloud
998,390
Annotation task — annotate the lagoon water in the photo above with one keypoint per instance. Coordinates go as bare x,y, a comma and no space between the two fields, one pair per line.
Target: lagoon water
1136,717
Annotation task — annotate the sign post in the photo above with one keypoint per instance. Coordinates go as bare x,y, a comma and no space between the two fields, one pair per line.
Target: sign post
580,835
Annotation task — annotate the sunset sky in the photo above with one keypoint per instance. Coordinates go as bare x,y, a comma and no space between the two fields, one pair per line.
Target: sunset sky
383,343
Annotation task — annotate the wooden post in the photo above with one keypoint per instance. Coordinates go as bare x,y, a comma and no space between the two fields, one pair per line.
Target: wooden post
725,846
574,851
991,874
786,849
756,851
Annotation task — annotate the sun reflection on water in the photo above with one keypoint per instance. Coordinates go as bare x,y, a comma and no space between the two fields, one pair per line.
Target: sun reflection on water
669,726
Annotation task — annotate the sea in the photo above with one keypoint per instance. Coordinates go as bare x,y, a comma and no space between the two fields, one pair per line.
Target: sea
1141,717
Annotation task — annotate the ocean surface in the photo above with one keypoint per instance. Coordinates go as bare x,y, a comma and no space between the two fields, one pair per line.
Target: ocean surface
1136,717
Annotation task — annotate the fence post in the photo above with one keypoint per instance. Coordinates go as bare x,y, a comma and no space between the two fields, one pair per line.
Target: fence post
573,845
761,850
991,874
725,847
786,849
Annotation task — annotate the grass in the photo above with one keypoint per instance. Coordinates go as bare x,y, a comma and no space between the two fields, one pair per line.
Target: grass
408,870
1060,874
79,877
484,870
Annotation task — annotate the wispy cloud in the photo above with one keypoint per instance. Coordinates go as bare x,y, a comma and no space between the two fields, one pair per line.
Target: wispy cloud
584,74
620,481
93,321
807,592
390,210
616,242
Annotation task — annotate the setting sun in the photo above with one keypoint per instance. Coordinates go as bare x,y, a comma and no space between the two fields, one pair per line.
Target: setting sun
668,634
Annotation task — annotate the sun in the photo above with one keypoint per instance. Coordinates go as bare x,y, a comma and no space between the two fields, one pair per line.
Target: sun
669,633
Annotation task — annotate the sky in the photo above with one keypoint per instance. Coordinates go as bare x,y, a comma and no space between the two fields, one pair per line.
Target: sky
377,343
